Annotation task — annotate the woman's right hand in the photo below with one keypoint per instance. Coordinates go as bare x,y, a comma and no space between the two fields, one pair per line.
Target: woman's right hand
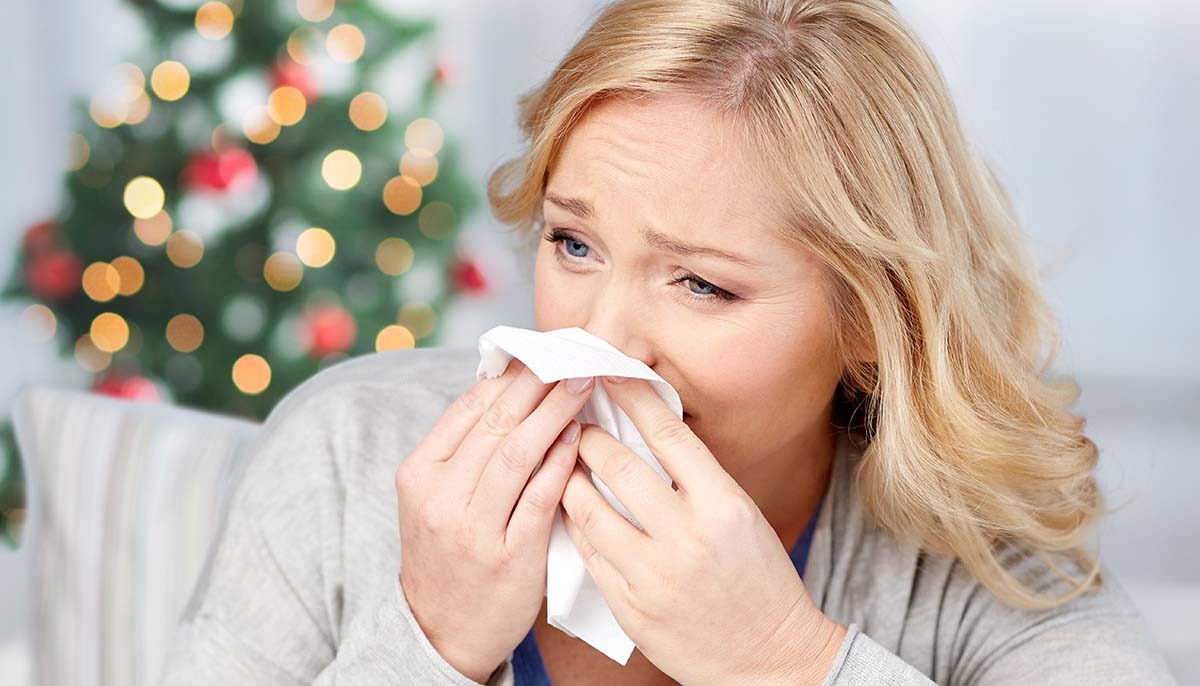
473,534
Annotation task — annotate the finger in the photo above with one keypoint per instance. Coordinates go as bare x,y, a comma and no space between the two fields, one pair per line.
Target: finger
505,475
452,427
620,543
495,424
534,515
680,451
637,487
612,585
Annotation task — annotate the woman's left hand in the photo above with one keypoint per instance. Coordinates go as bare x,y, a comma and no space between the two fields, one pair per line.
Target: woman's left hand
707,591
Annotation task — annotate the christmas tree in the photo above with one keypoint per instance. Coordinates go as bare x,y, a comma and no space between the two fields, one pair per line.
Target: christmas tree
262,191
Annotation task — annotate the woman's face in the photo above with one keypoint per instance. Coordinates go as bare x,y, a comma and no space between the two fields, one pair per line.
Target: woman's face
639,193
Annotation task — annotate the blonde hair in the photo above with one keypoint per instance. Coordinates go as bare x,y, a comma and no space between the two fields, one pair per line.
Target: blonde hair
972,448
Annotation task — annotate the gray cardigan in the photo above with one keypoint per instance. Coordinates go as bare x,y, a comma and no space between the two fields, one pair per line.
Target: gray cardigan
301,585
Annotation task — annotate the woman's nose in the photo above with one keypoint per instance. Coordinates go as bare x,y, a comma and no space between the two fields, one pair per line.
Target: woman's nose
616,318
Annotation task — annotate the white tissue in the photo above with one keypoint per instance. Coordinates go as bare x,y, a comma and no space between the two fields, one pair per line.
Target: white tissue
574,603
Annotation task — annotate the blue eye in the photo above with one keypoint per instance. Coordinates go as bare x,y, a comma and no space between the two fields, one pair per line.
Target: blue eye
714,293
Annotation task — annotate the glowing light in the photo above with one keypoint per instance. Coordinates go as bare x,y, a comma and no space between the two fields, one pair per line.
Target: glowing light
78,152
283,271
143,197
424,135
170,80
259,127
109,332
402,195
315,247
90,357
345,43
394,256
214,20
436,219
286,105
418,317
251,374
185,333
39,321
315,10
131,79
341,170
131,274
368,111
139,109
420,167
185,249
394,337
299,44
108,112
101,281
153,230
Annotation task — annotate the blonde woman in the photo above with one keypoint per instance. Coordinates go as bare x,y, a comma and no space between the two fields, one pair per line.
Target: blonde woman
773,205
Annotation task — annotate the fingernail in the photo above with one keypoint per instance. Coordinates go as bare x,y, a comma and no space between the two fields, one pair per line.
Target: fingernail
614,379
580,384
570,433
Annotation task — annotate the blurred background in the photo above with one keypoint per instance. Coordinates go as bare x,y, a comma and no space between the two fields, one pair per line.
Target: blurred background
178,177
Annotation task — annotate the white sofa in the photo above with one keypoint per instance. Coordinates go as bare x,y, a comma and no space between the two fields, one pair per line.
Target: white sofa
125,498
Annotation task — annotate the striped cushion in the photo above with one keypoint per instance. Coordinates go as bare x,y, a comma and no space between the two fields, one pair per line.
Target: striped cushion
123,500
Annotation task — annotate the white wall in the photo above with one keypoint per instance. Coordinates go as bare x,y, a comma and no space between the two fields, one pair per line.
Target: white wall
1088,109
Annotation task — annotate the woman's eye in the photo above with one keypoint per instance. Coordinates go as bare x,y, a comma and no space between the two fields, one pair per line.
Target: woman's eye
576,249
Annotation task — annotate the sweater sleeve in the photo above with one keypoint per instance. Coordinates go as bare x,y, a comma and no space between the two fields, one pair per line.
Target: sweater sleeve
863,661
267,608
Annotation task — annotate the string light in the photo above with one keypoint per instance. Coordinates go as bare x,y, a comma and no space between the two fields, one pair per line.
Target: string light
286,105
394,337
185,333
251,374
345,43
170,80
341,169
315,247
368,111
130,274
143,197
39,321
283,271
299,44
315,10
436,219
418,317
402,195
109,332
90,357
153,230
259,127
394,256
419,166
424,135
185,249
78,152
214,20
101,281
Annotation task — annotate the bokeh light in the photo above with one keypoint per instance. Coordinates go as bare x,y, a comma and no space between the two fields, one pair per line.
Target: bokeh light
138,110
89,357
394,256
418,317
170,80
437,219
251,374
301,43
214,20
315,10
78,152
368,111
108,111
419,166
39,322
286,105
109,332
424,135
394,337
185,249
258,125
402,195
345,43
130,273
185,333
143,197
153,230
101,281
341,169
315,247
283,271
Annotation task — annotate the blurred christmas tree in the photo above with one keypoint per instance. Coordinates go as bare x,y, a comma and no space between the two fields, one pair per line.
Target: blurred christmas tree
261,192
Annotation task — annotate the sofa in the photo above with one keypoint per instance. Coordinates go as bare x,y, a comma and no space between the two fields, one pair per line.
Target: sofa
125,498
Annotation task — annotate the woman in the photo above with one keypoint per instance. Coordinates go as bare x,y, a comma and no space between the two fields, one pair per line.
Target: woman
772,204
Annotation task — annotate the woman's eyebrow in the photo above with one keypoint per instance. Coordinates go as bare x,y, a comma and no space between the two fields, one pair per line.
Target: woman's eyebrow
584,210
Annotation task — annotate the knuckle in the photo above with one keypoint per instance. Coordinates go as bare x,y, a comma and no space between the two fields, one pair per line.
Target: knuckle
672,431
474,400
499,420
540,502
622,467
589,518
430,518
511,455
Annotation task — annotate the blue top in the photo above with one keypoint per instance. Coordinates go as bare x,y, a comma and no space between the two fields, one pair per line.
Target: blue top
529,670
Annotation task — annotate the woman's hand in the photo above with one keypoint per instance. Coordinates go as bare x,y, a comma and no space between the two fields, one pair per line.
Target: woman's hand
473,535
707,591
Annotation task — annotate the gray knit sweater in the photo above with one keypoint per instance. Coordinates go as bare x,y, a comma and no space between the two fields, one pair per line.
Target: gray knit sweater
301,585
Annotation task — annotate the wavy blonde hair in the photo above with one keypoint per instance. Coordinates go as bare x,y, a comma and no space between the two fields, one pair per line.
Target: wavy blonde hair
972,448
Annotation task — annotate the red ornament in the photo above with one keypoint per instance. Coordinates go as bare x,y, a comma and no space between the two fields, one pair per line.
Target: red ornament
228,170
53,273
39,237
468,277
443,72
285,72
127,387
330,329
